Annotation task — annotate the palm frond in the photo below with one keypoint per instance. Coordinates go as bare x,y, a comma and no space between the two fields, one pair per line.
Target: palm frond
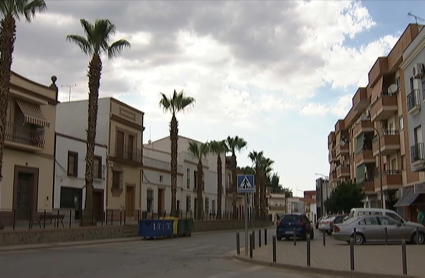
32,8
117,47
82,42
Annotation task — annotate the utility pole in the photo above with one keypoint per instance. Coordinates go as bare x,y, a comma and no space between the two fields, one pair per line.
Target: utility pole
70,88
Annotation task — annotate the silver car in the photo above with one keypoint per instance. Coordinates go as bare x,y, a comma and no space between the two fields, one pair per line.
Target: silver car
371,228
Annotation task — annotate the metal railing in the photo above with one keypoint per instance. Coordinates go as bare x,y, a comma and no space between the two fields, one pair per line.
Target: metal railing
128,153
413,99
24,134
417,152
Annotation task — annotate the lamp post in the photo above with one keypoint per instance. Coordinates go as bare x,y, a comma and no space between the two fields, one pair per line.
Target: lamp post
383,205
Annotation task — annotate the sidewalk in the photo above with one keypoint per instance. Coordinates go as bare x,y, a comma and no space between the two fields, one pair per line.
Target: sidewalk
334,258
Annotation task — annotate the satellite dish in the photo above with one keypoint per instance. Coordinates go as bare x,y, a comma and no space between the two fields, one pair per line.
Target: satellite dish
392,89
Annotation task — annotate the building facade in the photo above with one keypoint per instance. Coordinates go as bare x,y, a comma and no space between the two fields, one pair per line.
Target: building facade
120,128
69,190
29,152
370,146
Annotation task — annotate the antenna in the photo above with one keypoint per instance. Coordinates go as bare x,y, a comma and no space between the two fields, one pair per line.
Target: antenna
150,133
416,17
70,87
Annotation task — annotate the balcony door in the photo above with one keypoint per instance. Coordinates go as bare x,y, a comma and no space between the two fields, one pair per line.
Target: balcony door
418,135
120,144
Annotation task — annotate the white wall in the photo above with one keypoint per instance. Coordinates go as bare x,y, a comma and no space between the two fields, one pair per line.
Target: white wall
63,145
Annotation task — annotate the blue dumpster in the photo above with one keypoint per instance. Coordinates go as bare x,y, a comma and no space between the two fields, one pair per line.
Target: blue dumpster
149,228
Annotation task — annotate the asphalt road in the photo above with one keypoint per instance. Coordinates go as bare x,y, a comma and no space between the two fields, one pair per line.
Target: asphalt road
202,255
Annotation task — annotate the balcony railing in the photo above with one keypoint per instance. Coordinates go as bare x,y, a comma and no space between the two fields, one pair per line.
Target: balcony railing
413,103
128,153
417,152
390,142
25,134
390,179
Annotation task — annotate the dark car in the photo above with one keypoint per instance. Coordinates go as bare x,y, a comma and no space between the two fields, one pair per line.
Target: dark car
297,225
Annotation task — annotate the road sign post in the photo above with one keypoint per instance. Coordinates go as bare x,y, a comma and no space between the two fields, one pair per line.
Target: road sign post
246,185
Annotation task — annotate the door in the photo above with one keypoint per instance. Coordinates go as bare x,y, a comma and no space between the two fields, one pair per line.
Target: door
98,204
395,231
120,144
130,147
160,201
370,228
130,201
25,195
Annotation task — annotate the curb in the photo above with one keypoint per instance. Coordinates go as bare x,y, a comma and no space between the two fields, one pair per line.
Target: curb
316,270
12,248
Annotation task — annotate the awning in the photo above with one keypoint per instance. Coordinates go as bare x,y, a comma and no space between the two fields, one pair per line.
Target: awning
32,113
409,196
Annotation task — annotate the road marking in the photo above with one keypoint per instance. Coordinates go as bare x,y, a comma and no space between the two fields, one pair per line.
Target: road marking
238,272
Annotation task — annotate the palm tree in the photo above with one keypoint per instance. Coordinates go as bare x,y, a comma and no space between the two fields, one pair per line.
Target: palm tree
235,144
94,44
218,148
10,11
265,169
178,102
199,151
256,158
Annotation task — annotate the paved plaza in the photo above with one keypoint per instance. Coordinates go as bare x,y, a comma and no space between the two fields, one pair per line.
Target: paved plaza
377,258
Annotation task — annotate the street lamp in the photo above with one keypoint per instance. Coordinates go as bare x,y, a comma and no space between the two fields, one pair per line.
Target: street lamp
383,205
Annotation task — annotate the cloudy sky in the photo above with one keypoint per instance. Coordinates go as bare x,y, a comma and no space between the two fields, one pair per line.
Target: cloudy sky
277,73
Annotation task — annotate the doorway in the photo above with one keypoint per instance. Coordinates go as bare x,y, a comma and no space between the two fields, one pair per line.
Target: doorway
25,192
160,201
98,204
130,201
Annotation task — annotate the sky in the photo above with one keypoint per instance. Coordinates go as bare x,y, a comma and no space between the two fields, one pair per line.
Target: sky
277,73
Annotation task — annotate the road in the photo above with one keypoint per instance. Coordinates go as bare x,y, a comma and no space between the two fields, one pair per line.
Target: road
202,255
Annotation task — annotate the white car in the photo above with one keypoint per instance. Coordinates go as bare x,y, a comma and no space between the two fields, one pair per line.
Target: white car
325,224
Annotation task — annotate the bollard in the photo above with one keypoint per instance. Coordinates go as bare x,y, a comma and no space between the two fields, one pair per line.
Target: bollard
259,238
238,246
386,235
354,234
352,254
324,238
295,238
44,220
274,249
251,239
70,218
417,236
308,250
404,256
265,236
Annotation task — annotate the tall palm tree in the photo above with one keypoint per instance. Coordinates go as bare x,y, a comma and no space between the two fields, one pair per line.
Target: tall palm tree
256,158
178,102
266,169
199,151
97,40
235,144
10,11
218,148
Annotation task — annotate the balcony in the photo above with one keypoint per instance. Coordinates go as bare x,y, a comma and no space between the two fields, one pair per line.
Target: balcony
367,187
24,136
332,156
362,127
342,171
332,175
126,153
378,69
339,126
341,149
391,179
364,156
413,102
390,143
383,107
360,100
417,154
331,138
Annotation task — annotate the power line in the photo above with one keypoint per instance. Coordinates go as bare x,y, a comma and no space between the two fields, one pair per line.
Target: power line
70,88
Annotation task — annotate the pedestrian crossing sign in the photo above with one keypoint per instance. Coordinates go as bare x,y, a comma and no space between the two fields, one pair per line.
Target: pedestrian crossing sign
246,184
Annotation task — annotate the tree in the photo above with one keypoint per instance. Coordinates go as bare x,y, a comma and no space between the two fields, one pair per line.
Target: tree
95,42
256,158
199,151
218,148
178,102
10,11
235,144
344,197
265,169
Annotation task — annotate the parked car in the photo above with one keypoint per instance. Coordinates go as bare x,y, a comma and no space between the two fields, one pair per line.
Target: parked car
371,228
337,220
294,224
354,212
325,224
317,222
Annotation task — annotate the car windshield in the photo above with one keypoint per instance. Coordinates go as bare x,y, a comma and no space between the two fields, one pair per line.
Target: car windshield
290,218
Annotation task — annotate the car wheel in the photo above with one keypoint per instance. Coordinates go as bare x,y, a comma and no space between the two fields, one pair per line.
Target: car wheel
359,239
418,238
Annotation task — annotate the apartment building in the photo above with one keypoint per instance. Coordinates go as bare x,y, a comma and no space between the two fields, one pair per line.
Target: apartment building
321,194
29,151
120,129
186,198
69,188
370,146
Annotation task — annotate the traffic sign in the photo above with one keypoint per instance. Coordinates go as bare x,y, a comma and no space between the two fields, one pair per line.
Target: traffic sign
246,184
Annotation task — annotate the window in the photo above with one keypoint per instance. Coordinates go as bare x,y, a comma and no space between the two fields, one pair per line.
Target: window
130,148
97,167
120,144
161,178
117,182
149,200
401,123
369,221
72,164
188,203
418,134
188,178
387,221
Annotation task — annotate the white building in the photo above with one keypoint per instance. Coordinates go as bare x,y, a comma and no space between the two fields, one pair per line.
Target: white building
186,193
276,205
69,187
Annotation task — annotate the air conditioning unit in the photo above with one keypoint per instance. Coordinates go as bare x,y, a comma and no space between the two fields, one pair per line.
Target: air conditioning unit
418,70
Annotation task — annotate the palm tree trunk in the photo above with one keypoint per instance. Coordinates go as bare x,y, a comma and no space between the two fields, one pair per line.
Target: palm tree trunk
257,192
7,42
174,130
199,207
234,186
95,70
220,185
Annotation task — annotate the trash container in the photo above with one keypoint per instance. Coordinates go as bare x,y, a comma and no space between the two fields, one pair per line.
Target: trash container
175,223
185,227
155,228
